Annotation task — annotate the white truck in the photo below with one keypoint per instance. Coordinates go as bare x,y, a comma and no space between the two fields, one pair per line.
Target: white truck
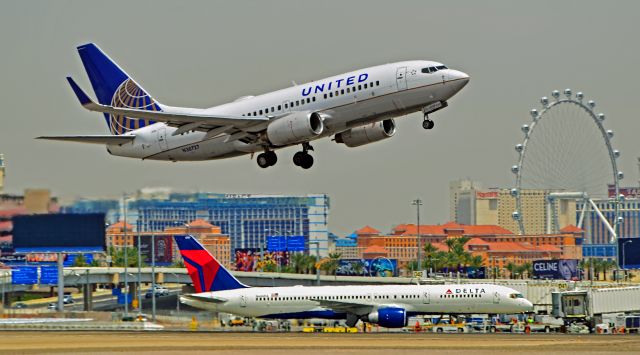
588,306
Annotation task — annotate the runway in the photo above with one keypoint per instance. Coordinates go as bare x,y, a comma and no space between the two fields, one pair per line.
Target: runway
18,342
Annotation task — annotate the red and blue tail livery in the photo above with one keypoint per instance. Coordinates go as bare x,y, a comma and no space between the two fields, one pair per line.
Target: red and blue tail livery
205,271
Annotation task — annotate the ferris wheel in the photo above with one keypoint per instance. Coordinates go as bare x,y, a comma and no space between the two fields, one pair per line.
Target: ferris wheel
567,153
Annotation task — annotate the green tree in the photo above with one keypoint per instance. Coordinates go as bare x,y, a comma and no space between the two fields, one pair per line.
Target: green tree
117,257
80,261
429,251
512,268
476,261
526,269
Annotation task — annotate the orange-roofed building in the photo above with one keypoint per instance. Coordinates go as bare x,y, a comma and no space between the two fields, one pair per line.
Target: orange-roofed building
374,251
117,232
367,230
496,245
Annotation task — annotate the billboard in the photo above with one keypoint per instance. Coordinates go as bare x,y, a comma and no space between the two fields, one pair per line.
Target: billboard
629,253
248,259
368,267
163,249
24,275
563,269
50,233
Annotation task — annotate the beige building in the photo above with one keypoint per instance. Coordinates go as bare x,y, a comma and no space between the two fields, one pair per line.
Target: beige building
472,205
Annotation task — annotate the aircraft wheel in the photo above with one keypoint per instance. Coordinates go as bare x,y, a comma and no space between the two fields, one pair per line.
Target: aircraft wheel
272,157
263,160
428,124
307,161
298,158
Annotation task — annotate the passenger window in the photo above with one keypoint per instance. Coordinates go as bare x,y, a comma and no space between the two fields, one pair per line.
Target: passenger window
308,100
331,94
261,112
254,113
297,103
279,107
365,85
325,96
377,83
348,90
359,87
314,99
286,105
272,109
337,92
342,92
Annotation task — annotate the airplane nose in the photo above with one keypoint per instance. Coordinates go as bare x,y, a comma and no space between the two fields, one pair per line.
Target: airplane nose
458,76
528,305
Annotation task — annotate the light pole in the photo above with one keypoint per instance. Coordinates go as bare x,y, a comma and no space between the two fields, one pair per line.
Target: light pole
139,288
418,202
126,260
624,260
153,277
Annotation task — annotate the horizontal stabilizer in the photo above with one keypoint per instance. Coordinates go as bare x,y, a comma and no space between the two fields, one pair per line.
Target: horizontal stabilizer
208,299
92,139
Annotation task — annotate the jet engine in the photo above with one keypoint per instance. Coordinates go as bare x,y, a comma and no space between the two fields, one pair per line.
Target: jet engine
370,133
295,128
389,317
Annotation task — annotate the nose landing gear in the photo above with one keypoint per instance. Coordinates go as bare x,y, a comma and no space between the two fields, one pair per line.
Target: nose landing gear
303,159
267,159
427,123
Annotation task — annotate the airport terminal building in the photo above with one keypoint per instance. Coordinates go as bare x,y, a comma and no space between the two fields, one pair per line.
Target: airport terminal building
248,219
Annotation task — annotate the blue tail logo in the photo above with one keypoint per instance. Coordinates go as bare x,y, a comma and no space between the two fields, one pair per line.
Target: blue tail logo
116,88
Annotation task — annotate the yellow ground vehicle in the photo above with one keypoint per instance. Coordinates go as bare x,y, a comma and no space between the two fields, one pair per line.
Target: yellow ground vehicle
236,321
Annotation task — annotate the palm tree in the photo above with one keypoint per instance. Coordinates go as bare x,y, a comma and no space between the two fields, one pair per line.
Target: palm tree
429,251
526,269
513,268
475,261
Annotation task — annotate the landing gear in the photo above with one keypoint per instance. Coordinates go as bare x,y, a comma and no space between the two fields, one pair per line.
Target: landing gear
427,123
267,159
303,159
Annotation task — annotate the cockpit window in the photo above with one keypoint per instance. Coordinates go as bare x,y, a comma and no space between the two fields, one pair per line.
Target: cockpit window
429,70
516,295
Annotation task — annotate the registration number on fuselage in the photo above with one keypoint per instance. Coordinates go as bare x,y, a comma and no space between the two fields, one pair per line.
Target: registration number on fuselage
191,148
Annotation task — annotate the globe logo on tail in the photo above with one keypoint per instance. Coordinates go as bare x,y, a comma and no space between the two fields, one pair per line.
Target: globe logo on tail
130,95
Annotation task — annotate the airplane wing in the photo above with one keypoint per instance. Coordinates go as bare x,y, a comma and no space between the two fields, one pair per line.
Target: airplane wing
347,307
123,139
209,299
175,116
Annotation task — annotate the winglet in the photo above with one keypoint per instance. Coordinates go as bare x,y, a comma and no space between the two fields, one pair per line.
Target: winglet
82,97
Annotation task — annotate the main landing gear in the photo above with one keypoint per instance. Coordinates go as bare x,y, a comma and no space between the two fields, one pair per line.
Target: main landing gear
267,159
303,159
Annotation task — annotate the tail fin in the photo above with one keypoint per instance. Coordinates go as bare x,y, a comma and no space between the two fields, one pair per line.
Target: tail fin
114,87
205,271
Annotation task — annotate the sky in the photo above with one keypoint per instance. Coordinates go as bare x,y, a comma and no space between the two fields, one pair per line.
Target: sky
205,53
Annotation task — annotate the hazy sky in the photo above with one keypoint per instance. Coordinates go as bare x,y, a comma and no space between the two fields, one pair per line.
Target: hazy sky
204,53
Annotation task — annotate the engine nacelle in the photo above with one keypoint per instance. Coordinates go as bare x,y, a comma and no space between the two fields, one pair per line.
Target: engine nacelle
370,133
390,317
297,127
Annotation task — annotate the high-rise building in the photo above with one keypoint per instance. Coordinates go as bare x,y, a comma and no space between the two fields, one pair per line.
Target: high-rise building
2,167
470,204
247,219
596,231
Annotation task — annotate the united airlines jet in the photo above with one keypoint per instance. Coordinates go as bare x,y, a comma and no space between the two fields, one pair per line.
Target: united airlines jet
389,306
356,108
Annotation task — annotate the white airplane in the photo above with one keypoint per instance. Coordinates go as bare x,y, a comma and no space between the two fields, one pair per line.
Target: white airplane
389,306
357,108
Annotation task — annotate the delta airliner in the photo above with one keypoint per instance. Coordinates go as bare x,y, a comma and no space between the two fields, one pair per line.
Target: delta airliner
356,108
389,306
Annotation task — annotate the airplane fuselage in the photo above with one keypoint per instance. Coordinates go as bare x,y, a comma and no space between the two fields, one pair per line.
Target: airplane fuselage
307,302
344,101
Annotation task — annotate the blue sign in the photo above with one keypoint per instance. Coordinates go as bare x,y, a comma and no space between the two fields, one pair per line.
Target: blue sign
276,243
49,275
121,298
296,243
71,259
289,243
116,291
566,269
24,275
